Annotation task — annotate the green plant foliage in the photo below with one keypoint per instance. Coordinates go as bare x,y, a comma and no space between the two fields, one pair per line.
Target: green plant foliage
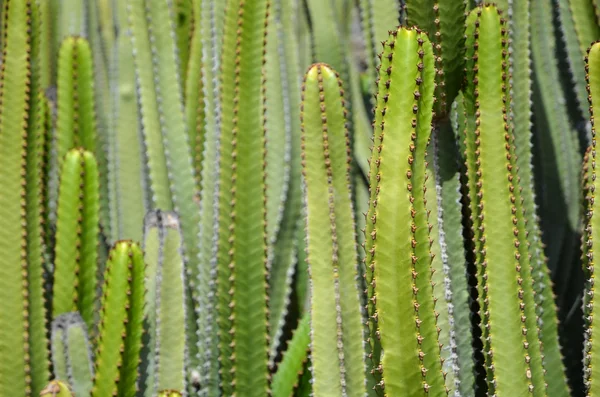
405,226
121,317
331,243
165,303
76,251
71,353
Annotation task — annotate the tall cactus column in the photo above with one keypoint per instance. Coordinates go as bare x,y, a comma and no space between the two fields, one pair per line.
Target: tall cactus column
331,241
398,258
242,243
512,348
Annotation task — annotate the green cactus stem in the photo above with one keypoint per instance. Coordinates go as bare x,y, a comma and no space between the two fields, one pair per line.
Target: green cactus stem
159,93
71,353
336,320
121,322
284,248
18,206
590,352
444,22
76,251
398,257
165,303
242,242
508,307
128,198
291,366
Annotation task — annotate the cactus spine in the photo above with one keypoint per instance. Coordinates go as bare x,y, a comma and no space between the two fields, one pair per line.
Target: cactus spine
122,311
76,253
165,303
331,242
242,244
397,231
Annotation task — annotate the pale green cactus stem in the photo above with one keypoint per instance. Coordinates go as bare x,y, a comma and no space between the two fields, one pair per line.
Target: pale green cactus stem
510,320
46,44
165,303
284,249
35,178
100,34
331,46
121,322
194,88
76,251
286,379
378,17
76,110
212,20
127,180
57,388
578,27
71,353
159,93
590,351
242,244
69,19
336,320
443,20
520,118
16,321
559,156
183,15
398,257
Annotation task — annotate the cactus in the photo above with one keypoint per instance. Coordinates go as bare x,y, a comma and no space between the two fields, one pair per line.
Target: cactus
57,389
20,277
331,243
402,285
127,175
287,376
159,93
120,333
76,252
507,284
165,303
71,353
590,349
242,245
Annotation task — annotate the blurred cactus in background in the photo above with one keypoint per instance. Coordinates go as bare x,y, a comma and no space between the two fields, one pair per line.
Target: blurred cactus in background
298,198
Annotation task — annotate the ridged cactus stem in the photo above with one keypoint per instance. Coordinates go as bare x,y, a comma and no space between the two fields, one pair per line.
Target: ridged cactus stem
15,94
512,347
121,322
71,353
76,252
242,244
159,93
398,258
336,320
165,303
591,227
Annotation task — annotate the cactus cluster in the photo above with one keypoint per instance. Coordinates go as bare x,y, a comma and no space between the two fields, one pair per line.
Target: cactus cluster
298,198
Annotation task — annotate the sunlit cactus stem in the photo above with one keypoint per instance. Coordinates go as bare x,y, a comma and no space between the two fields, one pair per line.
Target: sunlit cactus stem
335,313
121,322
591,355
57,388
76,252
398,258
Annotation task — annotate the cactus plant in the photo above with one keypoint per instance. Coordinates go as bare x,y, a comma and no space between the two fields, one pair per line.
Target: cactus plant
408,227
